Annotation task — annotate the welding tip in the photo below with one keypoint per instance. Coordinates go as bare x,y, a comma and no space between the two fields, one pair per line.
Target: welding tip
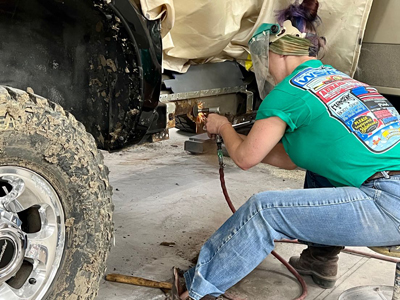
208,110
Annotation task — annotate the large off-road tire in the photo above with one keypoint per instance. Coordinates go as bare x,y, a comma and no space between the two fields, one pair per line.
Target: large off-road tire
55,202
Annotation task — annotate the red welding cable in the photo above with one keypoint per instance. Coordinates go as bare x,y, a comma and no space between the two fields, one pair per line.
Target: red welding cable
223,186
289,267
295,273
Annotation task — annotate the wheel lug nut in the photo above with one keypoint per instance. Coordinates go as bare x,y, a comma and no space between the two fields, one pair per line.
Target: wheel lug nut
32,280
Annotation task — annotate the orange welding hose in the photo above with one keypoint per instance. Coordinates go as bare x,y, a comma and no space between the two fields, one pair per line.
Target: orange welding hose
289,267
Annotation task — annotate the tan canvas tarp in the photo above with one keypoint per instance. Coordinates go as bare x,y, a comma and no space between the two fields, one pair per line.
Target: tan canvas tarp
198,31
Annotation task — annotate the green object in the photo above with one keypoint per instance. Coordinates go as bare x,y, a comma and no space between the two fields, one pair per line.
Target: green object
337,127
220,157
219,151
266,27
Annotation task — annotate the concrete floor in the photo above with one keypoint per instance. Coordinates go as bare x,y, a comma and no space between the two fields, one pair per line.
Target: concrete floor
164,194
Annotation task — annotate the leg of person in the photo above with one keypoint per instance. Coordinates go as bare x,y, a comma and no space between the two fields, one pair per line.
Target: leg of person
319,261
330,216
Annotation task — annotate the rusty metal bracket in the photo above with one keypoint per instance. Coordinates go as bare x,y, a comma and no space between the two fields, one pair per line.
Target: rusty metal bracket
202,93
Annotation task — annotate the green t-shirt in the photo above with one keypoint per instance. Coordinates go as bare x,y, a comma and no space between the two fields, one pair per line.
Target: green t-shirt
337,127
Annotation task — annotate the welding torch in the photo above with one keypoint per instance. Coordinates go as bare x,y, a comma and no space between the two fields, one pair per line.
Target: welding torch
217,137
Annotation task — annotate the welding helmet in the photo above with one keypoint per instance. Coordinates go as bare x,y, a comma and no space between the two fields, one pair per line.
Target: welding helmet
259,49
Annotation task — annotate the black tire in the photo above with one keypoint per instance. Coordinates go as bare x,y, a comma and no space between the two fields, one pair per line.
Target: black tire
184,123
39,136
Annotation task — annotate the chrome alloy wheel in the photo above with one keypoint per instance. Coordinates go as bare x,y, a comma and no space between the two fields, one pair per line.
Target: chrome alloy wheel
32,234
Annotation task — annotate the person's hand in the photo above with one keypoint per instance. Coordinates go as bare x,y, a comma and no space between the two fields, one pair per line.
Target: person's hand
214,123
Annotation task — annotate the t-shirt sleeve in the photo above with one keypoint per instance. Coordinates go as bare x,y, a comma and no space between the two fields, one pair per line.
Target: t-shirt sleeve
292,109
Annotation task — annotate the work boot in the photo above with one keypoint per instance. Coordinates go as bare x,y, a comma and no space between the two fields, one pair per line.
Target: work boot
179,286
319,262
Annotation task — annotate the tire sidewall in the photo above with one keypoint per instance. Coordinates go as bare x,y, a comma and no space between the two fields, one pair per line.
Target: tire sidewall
75,171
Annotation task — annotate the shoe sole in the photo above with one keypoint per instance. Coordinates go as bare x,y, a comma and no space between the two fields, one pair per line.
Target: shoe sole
321,281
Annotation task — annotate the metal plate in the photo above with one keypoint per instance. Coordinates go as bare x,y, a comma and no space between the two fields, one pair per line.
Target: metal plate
369,292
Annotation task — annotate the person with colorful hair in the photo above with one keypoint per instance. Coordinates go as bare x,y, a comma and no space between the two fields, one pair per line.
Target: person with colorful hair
321,120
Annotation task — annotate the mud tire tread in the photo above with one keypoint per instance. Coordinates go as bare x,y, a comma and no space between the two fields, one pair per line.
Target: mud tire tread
51,142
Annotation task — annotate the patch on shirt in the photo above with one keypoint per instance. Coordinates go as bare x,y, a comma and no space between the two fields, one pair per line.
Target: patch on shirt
359,107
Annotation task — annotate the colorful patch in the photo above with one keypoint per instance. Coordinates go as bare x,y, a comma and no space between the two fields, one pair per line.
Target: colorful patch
359,107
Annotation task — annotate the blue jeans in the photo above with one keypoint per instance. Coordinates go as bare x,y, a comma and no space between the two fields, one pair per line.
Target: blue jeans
365,216
313,181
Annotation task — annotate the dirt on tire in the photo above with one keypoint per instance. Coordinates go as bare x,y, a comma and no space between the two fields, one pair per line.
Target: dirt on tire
39,135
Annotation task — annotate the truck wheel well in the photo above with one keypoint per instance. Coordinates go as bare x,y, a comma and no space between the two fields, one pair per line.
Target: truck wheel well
67,51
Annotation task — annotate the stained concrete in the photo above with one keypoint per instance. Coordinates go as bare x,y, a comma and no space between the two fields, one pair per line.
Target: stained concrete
164,194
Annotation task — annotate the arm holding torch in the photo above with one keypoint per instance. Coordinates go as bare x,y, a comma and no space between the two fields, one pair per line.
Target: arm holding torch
218,139
261,145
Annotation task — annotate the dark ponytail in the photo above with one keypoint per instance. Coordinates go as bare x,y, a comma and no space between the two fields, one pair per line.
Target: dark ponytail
305,18
310,8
